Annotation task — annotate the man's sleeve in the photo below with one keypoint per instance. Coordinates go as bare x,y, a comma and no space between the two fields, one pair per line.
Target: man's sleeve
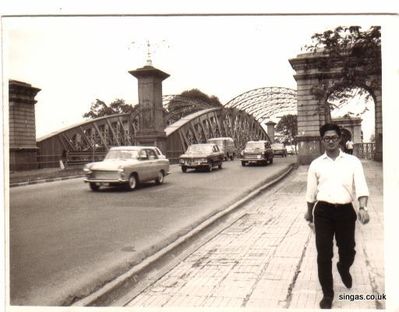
311,190
360,180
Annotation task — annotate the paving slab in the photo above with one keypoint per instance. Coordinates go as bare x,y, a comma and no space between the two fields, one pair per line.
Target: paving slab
267,258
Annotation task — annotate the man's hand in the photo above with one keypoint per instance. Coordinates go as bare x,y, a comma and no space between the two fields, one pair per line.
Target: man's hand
308,216
363,216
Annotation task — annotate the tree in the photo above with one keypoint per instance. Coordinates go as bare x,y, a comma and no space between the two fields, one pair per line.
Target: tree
288,126
188,102
101,109
358,53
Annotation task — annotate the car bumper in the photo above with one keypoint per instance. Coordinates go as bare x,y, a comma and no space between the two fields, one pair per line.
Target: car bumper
195,165
253,160
113,181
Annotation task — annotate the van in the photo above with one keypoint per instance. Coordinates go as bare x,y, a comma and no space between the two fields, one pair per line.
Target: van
226,145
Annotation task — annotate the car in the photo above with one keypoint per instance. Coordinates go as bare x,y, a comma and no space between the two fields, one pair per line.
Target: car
279,149
201,156
226,145
128,166
291,149
257,152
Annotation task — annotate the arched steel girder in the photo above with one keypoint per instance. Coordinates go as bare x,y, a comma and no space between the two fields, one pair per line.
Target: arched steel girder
265,103
214,122
95,134
117,130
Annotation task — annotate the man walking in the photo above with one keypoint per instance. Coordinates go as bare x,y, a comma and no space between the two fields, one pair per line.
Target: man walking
349,146
333,180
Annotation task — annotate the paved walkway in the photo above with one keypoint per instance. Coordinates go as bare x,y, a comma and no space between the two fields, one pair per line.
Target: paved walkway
267,258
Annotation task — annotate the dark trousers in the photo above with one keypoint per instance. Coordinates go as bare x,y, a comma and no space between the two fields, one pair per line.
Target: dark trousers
330,220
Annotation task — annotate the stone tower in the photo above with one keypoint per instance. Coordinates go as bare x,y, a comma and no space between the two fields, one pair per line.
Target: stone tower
151,116
22,126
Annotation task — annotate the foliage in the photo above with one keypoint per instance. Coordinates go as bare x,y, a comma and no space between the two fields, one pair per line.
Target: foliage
288,126
188,102
101,109
357,51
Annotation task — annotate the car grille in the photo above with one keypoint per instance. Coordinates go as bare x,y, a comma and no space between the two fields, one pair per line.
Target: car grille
251,156
104,175
194,161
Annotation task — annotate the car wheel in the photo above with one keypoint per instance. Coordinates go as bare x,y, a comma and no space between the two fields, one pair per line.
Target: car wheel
271,160
161,178
243,163
132,182
210,167
184,169
94,187
220,166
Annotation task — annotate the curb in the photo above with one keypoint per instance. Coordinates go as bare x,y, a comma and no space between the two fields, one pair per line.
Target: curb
99,297
39,181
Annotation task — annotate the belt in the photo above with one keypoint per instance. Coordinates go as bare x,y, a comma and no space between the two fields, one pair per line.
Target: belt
334,205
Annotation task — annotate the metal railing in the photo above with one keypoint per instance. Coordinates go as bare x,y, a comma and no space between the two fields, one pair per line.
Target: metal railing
364,150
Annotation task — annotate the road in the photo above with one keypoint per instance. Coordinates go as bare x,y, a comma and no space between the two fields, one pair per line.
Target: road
65,239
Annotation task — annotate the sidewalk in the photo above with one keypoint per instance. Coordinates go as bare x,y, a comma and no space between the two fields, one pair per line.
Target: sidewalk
267,258
19,178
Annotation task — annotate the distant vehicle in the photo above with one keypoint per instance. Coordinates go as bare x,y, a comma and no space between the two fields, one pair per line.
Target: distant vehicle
279,149
127,165
258,152
199,156
290,149
226,145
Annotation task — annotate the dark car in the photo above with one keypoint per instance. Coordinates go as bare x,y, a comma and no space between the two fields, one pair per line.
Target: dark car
199,156
257,152
279,149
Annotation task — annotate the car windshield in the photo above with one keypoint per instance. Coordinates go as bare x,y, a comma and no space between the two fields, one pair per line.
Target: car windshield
199,149
255,145
121,154
218,142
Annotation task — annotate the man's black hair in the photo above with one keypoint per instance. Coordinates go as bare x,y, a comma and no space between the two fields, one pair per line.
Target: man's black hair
329,126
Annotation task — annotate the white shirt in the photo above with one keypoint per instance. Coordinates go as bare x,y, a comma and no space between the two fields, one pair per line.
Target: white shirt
349,145
336,181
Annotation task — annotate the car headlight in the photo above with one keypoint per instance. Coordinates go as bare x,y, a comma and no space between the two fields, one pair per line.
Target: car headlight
120,169
181,160
259,156
87,169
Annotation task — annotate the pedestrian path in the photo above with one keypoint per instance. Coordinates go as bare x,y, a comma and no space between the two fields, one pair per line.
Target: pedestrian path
267,258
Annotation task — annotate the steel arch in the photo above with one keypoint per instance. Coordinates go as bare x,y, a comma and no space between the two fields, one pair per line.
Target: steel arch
266,103
97,135
214,122
91,135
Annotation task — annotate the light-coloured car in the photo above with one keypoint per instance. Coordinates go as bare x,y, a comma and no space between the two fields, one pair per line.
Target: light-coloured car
205,156
127,165
291,149
226,145
279,149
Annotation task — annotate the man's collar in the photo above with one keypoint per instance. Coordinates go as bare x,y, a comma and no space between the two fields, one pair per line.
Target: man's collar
341,154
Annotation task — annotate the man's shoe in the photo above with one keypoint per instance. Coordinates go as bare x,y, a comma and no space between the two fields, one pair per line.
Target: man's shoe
326,302
346,277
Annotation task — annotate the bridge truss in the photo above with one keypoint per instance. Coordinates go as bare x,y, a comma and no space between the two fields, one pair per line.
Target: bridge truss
96,136
266,103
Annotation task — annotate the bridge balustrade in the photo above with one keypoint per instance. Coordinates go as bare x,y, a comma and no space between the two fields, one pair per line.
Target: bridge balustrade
365,150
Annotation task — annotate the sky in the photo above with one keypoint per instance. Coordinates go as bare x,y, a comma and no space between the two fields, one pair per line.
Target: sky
76,60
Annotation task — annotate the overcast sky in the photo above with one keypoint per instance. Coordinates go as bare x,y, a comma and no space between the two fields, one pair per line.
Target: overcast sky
76,60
